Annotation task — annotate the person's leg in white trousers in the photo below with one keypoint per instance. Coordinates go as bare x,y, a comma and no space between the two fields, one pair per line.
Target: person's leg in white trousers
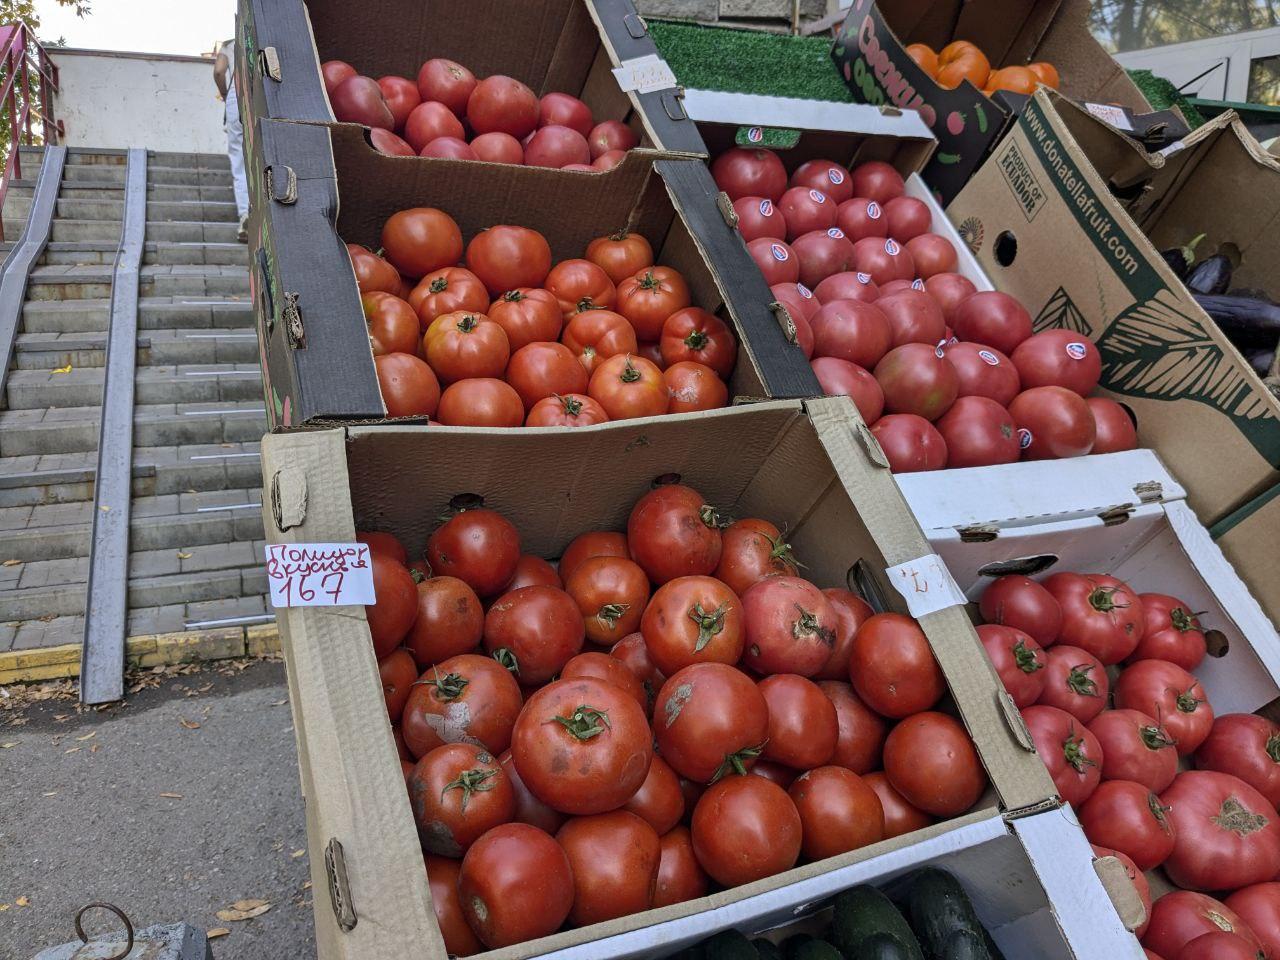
235,152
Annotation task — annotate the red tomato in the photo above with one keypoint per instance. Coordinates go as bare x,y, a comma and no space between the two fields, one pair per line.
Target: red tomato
877,180
745,829
397,671
442,877
531,571
1075,681
899,816
978,433
529,809
1166,691
395,603
840,378
933,255
984,372
860,218
1135,747
1058,358
611,593
910,443
450,148
849,285
694,334
541,370
917,378
480,402
498,148
534,632
1069,751
1181,916
1018,660
750,173
838,811
448,290
1099,613
596,335
776,260
1113,424
449,621
428,121
609,136
790,626
1259,907
690,620
373,274
950,290
680,876
759,217
614,857
914,317
710,720
753,549
1129,817
480,547
1052,422
620,255
1245,746
822,254
851,612
907,218
672,532
566,111
1219,946
458,792
994,319
1020,602
883,260
860,740
393,326
628,386
556,146
334,72
516,885
502,104
1170,631
359,100
506,257
462,699
649,297
582,746
694,386
892,667
776,772
1136,877
594,543
805,209
849,330
659,801
600,666
931,761
465,346
899,286
447,82
803,727
420,240
527,315
825,175
385,543
1226,834
634,655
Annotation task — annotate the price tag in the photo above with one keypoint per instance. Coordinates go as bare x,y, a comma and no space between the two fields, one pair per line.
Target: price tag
644,74
926,584
1171,149
1111,114
319,574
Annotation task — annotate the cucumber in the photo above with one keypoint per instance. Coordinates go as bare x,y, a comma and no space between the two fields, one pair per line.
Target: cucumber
880,946
937,907
729,945
766,949
863,912
792,945
965,945
817,950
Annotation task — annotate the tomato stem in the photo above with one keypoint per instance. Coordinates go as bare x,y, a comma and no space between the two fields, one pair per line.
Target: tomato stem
439,285
611,613
1187,701
709,624
1025,658
585,722
696,340
586,303
513,296
572,406
648,281
711,517
737,762
1158,811
807,625
1273,747
468,323
1183,620
475,780
1103,599
1073,751
507,657
1156,737
620,235
629,373
448,687
1080,682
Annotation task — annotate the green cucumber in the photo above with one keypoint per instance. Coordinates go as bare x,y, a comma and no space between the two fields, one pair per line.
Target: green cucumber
817,950
965,945
794,943
881,946
863,912
767,949
937,907
729,945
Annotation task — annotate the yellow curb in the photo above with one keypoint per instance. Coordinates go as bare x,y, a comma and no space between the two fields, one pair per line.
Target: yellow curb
151,650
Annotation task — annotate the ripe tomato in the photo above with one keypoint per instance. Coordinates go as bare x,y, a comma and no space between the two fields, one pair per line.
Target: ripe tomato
634,655
899,816
447,82
877,180
540,370
861,218
465,346
601,666
611,593
449,621
582,746
1181,916
805,209
838,811
1020,602
461,700
680,876
710,720
620,255
334,72
480,402
527,315
907,218
979,432
861,735
884,260
393,326
672,532
529,809
659,801
694,334
649,296
910,443
373,274
358,99
1069,751
1170,631
752,550
458,792
1135,746
1129,817
745,829
1099,613
1075,681
790,626
1219,946
1061,358
759,217
499,103
516,885
386,543
409,387
580,285
593,543
534,632
395,603
452,148
397,672
892,668
1052,422
822,254
531,571
628,386
1245,746
799,301
984,372
449,290
498,147
1018,660
803,727
507,258
609,136
421,239
950,290
914,317
1259,907
442,877
570,410
480,547
851,330
564,110
931,761
825,175
596,335
1172,695
694,386
615,859
932,255
840,378
993,319
750,173
917,378
690,620
782,775
1113,425
1226,834
431,121
776,260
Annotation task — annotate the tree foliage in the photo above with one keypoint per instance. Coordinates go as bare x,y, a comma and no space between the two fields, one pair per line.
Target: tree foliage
1138,24
24,11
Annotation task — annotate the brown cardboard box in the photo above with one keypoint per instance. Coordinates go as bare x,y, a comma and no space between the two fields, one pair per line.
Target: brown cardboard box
1250,537
1046,220
807,466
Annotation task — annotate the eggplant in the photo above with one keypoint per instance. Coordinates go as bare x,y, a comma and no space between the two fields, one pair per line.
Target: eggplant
1180,259
1212,275
1245,321
1260,358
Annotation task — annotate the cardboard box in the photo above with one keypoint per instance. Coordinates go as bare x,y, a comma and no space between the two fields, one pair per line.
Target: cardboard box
317,186
870,52
1249,537
1045,219
808,467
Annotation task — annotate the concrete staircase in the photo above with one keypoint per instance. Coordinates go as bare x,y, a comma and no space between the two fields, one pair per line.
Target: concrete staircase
196,531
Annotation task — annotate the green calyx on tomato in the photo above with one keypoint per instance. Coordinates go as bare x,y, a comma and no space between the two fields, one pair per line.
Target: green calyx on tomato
585,722
1157,811
781,550
1103,599
572,407
586,303
468,323
513,296
475,780
737,762
696,340
448,687
1239,819
807,625
629,373
1080,682
1183,620
439,285
507,657
1187,701
711,517
1156,738
709,624
649,281
1025,658
1273,747
611,613
1073,752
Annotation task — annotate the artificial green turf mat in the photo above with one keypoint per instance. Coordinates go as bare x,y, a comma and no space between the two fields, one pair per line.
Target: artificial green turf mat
1163,95
748,61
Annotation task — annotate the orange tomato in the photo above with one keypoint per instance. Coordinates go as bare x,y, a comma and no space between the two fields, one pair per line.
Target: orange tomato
923,55
1046,73
960,61
1014,79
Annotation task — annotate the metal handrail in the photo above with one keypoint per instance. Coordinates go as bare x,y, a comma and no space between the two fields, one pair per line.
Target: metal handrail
21,53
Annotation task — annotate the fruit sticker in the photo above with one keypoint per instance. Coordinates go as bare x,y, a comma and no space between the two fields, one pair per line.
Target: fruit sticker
766,208
1024,438
986,356
817,196
804,291
892,247
917,284
755,134
864,277
873,210
1076,350
835,175
779,252
835,233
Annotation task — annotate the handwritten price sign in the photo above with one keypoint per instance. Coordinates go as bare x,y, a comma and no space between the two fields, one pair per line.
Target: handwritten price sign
319,574
644,74
926,584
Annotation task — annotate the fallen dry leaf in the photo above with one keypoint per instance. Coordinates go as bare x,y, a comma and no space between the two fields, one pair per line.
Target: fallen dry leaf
172,796
189,724
66,369
104,508
297,853
23,902
88,736
72,750
51,793
95,748
243,910
185,556
278,703
6,746
307,885
4,907
216,932
11,563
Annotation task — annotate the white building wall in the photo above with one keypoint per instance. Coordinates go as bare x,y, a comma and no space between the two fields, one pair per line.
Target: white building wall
1230,55
162,102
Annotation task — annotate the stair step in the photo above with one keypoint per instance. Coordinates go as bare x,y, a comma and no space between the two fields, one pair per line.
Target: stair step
72,208
164,252
73,429
171,618
159,384
94,156
212,314
114,190
172,176
63,281
108,231
51,351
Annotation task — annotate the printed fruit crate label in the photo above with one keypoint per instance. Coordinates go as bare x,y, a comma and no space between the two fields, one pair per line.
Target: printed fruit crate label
926,584
644,74
319,574
1111,114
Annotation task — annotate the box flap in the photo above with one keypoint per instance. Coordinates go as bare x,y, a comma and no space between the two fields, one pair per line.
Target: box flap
745,109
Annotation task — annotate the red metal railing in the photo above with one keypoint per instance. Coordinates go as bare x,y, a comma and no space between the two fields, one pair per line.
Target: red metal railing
28,82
